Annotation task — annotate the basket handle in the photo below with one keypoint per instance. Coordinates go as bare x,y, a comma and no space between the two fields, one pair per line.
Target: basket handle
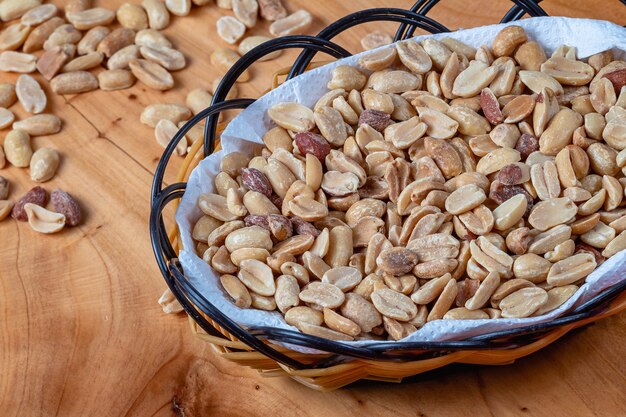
363,16
522,7
158,235
516,12
421,7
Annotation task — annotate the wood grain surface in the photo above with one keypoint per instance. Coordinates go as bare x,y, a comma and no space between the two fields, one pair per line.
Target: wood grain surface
81,333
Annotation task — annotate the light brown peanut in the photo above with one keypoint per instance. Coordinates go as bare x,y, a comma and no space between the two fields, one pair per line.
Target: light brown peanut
292,116
44,164
272,10
90,18
6,118
42,220
552,212
444,302
571,269
121,59
360,311
523,302
30,94
132,16
484,292
246,11
508,39
323,294
85,62
158,15
257,276
153,113
168,58
230,29
238,292
615,245
178,7
507,214
286,294
151,74
341,324
11,61
8,95
393,304
17,148
556,297
465,198
343,277
293,24
559,131
116,79
74,82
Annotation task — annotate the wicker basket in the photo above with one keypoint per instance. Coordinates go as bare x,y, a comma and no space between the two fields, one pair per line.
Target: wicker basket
342,364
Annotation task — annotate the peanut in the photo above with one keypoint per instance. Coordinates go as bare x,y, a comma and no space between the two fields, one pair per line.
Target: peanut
293,24
151,74
17,148
158,15
43,164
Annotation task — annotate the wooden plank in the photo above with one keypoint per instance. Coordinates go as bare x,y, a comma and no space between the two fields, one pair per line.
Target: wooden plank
80,330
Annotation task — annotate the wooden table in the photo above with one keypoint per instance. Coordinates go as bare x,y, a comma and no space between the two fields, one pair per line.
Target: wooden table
81,333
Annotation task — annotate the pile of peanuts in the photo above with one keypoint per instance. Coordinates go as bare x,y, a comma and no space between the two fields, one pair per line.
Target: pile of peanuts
451,182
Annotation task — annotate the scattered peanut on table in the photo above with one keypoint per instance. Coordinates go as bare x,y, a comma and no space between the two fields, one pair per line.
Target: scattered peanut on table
66,46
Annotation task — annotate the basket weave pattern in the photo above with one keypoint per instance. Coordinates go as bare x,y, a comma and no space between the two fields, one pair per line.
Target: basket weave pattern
342,364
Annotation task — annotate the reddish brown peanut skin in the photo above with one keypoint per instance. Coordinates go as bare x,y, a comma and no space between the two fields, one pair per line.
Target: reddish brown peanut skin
376,119
313,143
509,175
617,78
490,106
36,195
255,180
526,145
500,193
256,220
302,227
65,204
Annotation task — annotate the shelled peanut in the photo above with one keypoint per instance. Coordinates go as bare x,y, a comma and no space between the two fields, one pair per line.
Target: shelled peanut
451,182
